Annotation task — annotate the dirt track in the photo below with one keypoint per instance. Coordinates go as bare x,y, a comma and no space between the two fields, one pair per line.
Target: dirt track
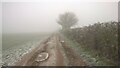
59,54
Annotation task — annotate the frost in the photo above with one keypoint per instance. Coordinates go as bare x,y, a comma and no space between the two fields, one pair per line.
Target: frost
14,54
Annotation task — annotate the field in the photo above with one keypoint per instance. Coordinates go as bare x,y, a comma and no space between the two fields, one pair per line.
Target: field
16,45
13,40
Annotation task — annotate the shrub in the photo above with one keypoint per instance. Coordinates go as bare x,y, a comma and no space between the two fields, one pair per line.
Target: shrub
99,37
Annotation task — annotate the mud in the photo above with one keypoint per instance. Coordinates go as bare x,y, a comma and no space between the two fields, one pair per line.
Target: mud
53,47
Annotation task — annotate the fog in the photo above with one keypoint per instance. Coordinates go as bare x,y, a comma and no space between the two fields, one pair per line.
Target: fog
32,17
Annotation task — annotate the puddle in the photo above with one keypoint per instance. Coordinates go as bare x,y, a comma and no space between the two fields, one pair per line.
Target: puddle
42,57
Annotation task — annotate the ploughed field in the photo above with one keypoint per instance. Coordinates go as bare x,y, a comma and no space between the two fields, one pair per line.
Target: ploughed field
14,46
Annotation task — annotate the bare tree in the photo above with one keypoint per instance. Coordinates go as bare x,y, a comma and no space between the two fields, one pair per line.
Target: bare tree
67,20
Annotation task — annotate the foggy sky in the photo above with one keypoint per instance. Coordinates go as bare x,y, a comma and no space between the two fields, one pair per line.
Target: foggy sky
23,17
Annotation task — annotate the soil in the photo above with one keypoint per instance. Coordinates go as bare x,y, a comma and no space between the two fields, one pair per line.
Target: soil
57,51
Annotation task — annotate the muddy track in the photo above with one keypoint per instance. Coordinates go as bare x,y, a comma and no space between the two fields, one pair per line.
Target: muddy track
55,48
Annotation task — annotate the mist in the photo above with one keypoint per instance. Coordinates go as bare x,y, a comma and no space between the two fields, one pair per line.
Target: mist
39,17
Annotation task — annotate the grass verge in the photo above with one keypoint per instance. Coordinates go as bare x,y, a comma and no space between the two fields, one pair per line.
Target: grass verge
89,56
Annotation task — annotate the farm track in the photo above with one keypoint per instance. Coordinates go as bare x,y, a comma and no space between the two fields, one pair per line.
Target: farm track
57,51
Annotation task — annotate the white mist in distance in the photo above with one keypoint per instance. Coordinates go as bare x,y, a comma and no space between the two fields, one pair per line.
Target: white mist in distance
32,17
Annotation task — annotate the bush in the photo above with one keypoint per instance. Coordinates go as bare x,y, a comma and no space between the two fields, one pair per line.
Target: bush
99,37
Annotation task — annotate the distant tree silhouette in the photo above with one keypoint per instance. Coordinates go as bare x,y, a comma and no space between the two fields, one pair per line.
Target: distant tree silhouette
67,20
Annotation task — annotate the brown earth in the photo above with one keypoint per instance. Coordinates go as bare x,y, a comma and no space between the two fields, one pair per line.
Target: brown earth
57,51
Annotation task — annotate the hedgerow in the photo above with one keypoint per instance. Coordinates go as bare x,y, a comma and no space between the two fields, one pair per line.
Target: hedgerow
102,38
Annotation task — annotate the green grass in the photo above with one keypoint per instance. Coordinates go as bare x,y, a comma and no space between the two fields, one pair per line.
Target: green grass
82,50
